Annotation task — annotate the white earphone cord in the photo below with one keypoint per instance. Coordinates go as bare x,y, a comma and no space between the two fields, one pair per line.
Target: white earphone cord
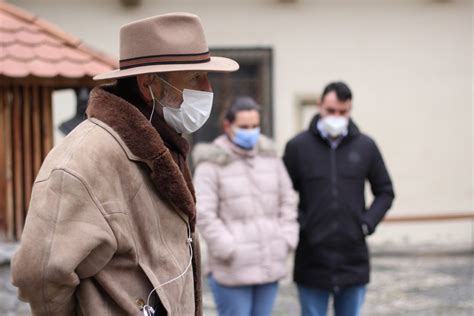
154,102
189,240
169,84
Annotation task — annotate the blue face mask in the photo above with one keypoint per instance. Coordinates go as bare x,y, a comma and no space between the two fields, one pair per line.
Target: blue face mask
246,138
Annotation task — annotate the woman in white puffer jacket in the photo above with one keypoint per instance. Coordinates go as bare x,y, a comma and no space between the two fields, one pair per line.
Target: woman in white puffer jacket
247,213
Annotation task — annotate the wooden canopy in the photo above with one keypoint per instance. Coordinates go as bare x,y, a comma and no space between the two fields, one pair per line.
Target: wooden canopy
35,59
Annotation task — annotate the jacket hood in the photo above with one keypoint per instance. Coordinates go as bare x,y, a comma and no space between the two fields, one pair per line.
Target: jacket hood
222,151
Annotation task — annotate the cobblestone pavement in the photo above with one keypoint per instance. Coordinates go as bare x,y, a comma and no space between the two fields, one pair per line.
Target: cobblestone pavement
401,285
408,285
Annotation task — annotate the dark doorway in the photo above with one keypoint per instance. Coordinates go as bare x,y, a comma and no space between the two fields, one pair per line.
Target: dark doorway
254,78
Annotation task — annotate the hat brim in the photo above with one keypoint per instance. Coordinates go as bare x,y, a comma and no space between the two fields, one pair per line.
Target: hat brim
216,64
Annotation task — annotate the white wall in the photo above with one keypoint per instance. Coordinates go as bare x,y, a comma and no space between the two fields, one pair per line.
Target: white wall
409,64
64,108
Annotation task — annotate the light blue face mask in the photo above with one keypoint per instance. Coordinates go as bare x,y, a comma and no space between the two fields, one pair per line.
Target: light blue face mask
246,138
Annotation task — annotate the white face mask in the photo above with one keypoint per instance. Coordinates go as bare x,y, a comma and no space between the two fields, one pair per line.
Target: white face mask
193,112
335,125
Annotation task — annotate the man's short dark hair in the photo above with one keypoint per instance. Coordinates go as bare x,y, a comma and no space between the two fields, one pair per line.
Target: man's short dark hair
243,103
342,91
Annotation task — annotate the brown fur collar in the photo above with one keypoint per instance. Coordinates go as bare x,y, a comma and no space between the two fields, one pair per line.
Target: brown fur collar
145,142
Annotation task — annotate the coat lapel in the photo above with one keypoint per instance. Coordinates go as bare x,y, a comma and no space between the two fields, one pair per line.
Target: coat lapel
146,143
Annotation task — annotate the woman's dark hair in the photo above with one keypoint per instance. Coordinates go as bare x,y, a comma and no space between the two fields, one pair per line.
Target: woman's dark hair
342,91
242,103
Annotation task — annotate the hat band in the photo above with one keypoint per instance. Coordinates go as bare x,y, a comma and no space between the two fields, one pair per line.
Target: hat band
165,59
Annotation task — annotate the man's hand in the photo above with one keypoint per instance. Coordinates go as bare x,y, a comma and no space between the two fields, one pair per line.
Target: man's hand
365,229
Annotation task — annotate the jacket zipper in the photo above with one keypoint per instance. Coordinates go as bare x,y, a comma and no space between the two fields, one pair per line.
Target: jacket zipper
334,193
333,173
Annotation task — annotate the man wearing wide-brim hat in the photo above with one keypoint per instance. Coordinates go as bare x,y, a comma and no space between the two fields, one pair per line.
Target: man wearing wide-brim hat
110,226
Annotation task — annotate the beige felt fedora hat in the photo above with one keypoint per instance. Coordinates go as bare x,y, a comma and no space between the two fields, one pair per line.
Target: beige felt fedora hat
163,43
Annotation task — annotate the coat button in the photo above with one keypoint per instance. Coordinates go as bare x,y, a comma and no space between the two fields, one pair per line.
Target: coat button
140,303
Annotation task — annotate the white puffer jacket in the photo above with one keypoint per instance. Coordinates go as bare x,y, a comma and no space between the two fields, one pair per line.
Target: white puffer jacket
246,211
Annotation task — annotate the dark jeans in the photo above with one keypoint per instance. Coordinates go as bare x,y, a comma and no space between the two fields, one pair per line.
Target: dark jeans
347,301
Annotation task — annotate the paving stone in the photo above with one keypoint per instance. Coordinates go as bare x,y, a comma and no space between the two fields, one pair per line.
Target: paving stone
412,285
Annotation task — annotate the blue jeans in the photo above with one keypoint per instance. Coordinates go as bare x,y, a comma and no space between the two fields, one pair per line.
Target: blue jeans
347,301
252,300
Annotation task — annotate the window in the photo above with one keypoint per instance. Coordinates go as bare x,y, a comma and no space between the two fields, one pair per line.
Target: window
254,78
306,109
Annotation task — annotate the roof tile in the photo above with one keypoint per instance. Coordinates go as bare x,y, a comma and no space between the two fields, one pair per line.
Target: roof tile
53,30
41,68
70,69
7,37
33,46
10,23
93,68
107,59
28,37
20,52
48,52
18,12
32,27
13,68
75,54
3,52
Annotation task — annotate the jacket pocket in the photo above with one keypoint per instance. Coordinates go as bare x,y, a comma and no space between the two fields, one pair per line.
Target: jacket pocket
157,289
352,219
245,255
279,248
316,223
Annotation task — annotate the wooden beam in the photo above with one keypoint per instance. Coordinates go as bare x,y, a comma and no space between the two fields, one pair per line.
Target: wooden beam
36,126
3,177
27,148
17,161
47,120
7,123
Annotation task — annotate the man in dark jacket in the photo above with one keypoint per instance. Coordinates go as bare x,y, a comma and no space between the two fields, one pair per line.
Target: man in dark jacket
329,164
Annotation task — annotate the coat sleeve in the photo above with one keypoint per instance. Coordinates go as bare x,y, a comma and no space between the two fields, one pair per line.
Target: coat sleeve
66,238
288,208
382,189
291,164
219,240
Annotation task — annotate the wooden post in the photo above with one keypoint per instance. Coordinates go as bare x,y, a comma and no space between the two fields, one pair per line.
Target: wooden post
37,139
27,149
17,162
7,123
47,121
3,177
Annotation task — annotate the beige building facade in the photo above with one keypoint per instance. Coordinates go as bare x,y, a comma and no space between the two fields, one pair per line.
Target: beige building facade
408,62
